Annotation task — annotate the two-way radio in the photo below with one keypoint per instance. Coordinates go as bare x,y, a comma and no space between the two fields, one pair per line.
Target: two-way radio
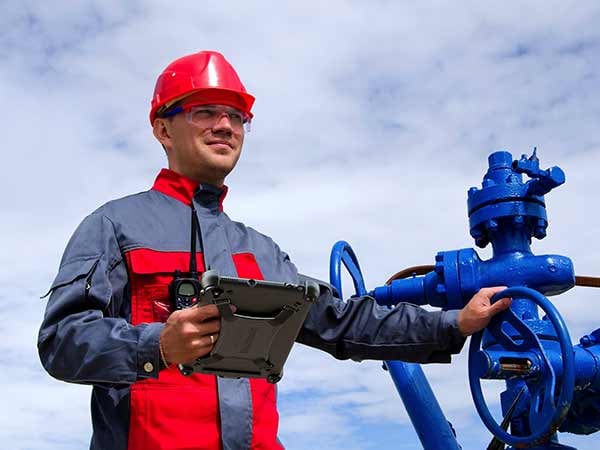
185,288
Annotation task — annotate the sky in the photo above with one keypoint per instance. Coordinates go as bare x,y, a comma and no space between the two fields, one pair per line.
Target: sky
372,120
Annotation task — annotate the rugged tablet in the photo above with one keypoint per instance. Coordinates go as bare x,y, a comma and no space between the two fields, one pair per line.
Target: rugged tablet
255,341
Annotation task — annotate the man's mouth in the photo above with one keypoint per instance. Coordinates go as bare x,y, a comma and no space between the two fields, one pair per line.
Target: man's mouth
219,143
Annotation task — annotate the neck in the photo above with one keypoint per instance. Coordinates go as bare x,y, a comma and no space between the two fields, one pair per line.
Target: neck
198,178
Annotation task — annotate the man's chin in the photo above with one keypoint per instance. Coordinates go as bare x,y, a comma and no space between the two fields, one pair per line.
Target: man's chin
224,163
220,171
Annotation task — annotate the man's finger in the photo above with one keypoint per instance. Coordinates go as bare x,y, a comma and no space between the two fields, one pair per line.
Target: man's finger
489,292
211,339
202,313
196,329
210,326
500,305
206,340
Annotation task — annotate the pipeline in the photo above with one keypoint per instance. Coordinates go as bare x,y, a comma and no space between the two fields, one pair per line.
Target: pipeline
580,280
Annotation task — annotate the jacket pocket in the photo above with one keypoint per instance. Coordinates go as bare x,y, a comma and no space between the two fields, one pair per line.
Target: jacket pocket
72,271
79,285
89,277
151,272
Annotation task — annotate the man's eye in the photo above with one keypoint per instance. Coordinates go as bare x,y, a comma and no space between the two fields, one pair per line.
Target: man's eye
205,113
235,117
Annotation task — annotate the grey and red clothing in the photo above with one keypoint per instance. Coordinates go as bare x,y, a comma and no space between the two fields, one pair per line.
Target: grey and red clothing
110,299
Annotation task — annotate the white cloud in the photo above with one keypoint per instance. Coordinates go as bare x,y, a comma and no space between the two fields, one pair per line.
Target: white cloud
372,120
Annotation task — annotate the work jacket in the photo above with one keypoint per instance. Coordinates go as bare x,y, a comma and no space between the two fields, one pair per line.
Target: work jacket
110,299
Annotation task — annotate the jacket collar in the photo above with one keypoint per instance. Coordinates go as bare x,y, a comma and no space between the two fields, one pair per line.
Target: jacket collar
184,189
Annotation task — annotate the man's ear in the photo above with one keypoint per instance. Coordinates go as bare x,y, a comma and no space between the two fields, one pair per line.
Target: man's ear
161,132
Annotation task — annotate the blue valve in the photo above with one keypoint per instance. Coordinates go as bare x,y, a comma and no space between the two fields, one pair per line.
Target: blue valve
546,410
534,356
542,181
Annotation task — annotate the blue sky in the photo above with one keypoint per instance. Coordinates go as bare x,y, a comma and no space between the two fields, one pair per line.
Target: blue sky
372,120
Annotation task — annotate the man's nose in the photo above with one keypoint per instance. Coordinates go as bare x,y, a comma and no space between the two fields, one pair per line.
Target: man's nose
223,122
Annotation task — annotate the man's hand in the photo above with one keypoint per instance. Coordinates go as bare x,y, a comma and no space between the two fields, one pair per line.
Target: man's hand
190,333
478,312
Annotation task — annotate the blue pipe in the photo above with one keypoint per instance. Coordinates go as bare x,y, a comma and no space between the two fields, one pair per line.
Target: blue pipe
425,413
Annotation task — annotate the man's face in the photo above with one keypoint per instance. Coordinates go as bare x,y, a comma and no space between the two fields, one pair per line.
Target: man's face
203,150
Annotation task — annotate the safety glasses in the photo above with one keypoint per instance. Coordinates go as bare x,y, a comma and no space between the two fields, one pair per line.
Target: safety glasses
207,116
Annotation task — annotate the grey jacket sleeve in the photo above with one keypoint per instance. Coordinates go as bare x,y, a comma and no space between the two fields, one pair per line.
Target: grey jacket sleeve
360,329
85,336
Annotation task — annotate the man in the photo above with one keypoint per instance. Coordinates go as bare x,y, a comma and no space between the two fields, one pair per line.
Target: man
110,321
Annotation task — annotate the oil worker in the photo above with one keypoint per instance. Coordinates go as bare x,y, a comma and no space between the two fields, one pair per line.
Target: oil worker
110,320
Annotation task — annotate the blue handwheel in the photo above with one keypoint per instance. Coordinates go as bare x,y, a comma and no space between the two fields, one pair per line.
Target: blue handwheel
546,411
343,253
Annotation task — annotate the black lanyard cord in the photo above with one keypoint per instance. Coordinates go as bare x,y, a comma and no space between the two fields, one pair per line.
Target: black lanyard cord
196,231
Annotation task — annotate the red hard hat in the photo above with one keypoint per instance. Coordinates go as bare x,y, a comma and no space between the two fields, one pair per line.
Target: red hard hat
205,72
